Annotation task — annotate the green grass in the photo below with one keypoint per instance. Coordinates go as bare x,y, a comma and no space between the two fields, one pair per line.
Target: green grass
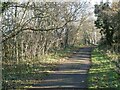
26,72
102,73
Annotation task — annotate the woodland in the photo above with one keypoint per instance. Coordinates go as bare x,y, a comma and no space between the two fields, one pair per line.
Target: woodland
36,36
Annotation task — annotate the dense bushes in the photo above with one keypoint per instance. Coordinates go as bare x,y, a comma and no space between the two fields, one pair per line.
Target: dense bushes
108,21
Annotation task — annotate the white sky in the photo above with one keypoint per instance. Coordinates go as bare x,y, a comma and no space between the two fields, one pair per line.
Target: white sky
92,1
98,1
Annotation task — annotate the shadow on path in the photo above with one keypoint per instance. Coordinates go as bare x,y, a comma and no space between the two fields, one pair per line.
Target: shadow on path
70,74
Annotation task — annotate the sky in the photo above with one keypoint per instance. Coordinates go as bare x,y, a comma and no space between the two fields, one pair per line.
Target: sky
92,1
98,1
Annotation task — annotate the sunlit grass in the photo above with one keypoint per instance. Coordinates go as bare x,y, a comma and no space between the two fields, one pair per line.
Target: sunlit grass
27,72
102,73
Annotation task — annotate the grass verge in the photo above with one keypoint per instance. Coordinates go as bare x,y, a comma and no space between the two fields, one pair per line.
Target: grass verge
102,73
26,72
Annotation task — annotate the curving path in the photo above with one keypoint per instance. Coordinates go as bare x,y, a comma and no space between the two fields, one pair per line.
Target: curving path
71,74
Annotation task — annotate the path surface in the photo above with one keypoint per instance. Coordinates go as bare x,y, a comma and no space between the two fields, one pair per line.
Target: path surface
71,74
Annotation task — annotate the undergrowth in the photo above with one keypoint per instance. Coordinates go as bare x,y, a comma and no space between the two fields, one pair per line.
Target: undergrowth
102,73
26,72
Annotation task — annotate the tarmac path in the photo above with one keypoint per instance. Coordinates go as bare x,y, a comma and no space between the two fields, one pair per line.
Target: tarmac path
70,75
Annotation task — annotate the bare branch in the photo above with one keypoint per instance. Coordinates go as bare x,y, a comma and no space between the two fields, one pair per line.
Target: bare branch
32,29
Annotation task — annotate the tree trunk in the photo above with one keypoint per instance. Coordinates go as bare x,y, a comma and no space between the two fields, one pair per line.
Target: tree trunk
66,38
